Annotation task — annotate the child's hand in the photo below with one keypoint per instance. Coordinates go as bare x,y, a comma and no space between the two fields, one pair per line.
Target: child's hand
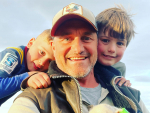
38,80
122,80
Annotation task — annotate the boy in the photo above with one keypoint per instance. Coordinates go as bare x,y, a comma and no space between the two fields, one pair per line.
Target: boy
16,64
115,30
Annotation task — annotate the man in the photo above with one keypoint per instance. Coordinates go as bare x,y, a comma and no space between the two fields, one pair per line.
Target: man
75,50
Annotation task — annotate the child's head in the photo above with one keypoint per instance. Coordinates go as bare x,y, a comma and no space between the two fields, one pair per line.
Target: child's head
40,52
115,30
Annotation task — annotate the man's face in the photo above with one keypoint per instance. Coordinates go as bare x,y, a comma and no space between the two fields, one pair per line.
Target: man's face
39,55
75,48
110,49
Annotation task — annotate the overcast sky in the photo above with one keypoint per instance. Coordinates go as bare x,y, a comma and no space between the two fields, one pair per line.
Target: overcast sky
20,20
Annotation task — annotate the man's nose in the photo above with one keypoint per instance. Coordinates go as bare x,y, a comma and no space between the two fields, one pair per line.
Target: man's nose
78,45
112,48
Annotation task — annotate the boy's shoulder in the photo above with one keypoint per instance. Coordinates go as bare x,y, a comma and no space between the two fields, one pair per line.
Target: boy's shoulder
10,58
19,51
121,67
13,53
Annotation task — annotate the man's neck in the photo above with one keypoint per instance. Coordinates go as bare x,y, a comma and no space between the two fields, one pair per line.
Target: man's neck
89,81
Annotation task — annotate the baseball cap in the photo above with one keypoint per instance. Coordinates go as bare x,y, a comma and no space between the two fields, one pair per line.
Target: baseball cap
72,11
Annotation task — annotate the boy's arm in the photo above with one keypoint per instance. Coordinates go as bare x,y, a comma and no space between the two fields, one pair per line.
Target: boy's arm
11,85
122,81
36,80
11,71
120,66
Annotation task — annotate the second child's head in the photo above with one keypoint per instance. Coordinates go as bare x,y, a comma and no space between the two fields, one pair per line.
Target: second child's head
115,30
40,53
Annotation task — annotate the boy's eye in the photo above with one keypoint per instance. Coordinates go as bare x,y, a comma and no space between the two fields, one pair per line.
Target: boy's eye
120,43
42,52
105,40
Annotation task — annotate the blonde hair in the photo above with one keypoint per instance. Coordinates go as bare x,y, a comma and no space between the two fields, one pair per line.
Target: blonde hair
46,34
118,21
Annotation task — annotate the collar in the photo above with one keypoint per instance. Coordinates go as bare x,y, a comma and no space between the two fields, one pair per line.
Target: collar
105,73
25,59
54,70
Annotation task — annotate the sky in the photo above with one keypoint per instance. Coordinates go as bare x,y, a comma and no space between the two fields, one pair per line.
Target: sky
21,20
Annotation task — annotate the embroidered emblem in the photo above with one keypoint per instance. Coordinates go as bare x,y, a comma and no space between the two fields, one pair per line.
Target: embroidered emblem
72,8
20,51
8,63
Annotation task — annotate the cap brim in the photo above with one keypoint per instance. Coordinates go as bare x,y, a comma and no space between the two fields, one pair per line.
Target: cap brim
67,17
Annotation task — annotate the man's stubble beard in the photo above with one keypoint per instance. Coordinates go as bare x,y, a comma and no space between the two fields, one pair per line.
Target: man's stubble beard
80,75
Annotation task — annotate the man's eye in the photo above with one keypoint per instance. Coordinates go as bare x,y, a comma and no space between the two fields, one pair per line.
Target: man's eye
86,39
42,52
66,39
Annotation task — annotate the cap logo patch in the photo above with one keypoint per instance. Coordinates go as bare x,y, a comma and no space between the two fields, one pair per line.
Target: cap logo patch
72,8
8,63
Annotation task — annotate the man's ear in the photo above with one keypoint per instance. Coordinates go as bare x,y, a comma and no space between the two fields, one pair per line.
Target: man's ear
30,43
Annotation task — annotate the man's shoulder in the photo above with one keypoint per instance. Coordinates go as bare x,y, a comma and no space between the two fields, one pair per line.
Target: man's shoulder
33,91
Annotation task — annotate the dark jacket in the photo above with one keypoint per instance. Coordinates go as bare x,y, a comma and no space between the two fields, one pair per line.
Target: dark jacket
63,96
125,97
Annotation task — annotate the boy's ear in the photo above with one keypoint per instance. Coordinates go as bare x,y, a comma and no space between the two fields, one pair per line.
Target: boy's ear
30,43
53,45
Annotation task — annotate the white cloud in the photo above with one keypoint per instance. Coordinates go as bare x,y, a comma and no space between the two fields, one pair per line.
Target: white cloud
142,78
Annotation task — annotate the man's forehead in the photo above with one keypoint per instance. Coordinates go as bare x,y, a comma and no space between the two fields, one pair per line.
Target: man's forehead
74,23
69,26
71,32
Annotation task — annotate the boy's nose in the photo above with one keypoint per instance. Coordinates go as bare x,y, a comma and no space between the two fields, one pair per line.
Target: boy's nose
112,48
43,61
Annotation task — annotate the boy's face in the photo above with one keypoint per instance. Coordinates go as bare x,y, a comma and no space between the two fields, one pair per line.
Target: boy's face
110,49
39,54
